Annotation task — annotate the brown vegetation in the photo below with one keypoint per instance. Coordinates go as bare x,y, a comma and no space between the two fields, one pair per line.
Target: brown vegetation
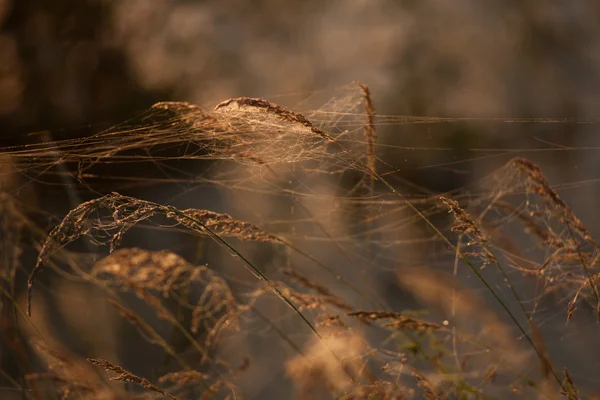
336,336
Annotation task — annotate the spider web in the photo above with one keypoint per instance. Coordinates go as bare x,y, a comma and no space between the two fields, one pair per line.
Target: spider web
303,174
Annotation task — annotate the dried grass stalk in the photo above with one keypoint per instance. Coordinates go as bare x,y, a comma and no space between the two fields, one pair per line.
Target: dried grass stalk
126,376
302,300
548,236
163,271
266,133
182,108
142,271
226,225
538,183
216,308
369,129
183,377
466,225
326,295
270,108
569,264
125,213
398,320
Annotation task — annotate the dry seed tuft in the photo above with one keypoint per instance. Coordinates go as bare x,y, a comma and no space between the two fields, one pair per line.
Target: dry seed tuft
271,108
143,270
306,301
538,184
398,320
369,127
191,115
179,107
548,236
183,377
127,212
137,268
464,222
569,264
216,308
329,321
226,225
266,133
466,225
326,295
126,376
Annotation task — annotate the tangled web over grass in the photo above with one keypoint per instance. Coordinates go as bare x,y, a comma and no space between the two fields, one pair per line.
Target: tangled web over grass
319,218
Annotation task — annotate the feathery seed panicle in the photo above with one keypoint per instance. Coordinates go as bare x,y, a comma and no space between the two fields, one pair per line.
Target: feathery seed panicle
325,294
126,376
397,320
128,211
245,102
466,224
369,128
538,184
137,268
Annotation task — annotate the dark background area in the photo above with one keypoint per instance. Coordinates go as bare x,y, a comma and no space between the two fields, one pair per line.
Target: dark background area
59,73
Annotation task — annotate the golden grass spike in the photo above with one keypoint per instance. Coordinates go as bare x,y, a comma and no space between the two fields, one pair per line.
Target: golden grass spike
128,211
326,295
272,108
226,225
178,106
126,376
369,127
398,320
188,113
139,268
538,183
